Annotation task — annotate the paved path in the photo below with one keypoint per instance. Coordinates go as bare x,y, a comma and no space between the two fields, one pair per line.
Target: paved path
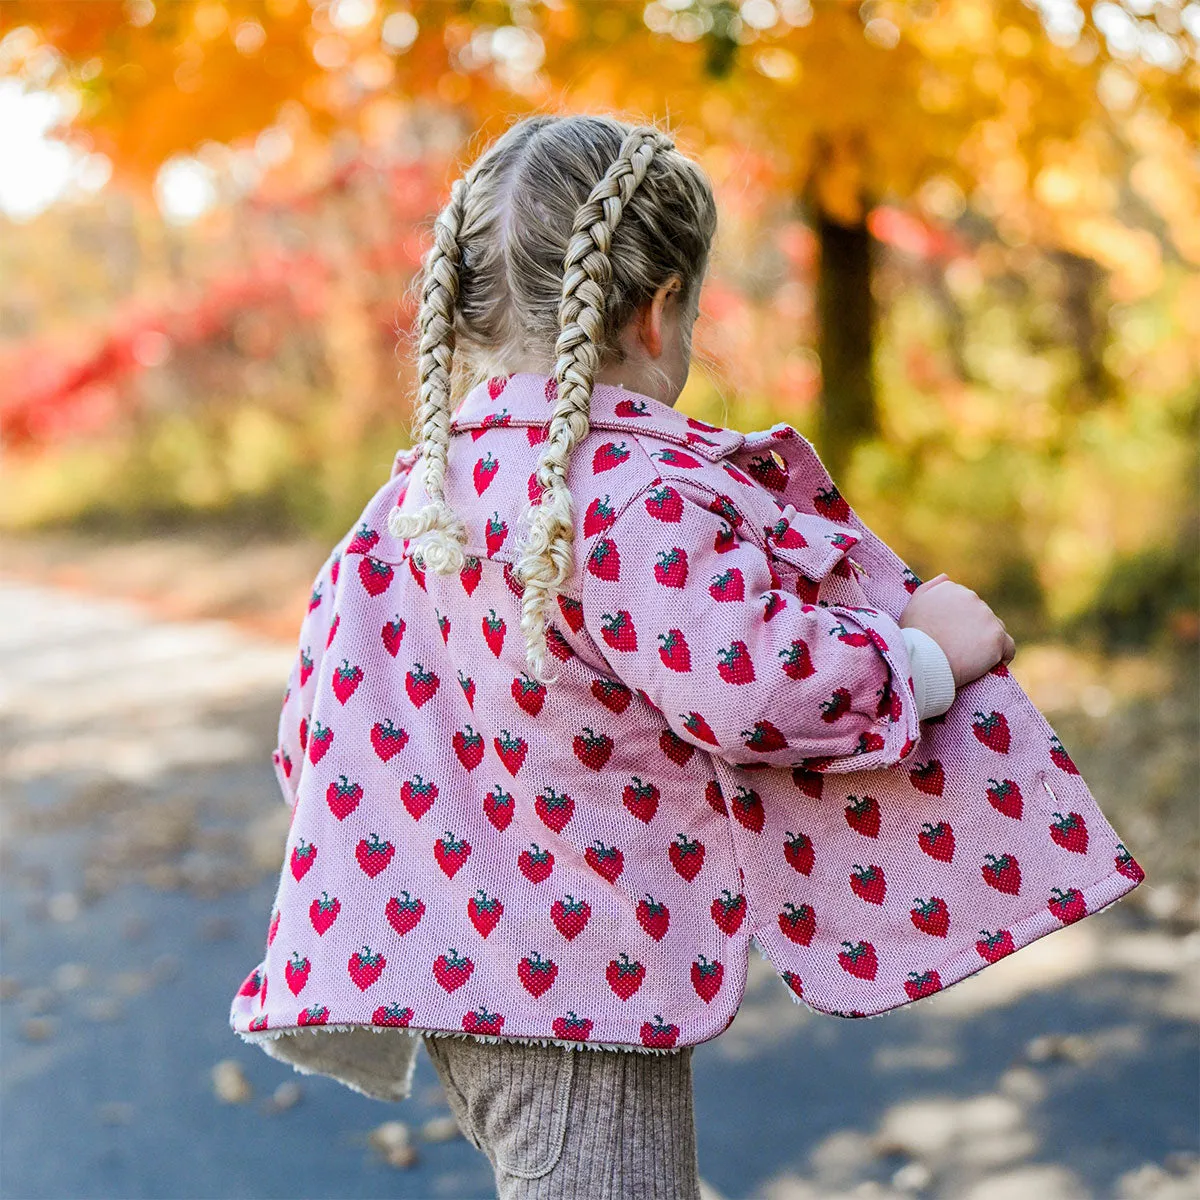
142,839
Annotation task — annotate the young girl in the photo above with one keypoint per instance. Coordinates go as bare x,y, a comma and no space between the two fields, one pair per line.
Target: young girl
594,693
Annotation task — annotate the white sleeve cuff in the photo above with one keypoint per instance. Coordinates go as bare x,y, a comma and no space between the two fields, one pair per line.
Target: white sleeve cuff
932,676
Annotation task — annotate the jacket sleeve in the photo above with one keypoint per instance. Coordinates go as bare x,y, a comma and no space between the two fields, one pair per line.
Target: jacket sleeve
295,715
695,617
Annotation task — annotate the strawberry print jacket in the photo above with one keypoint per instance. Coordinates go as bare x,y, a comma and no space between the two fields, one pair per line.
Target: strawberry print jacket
733,750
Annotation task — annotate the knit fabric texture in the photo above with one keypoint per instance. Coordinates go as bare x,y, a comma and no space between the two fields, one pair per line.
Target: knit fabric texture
932,675
734,749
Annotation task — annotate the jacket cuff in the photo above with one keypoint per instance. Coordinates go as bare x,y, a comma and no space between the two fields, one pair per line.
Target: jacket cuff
933,678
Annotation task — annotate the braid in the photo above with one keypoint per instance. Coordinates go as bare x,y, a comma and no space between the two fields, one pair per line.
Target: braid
442,533
547,556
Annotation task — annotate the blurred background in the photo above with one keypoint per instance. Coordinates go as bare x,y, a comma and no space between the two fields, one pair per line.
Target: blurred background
959,249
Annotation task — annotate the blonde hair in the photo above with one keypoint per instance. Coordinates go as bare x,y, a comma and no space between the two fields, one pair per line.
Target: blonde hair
554,237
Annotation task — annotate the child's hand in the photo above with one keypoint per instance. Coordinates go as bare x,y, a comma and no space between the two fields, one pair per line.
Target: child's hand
971,635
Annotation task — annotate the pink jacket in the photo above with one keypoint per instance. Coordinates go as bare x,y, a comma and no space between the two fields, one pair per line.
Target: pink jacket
734,750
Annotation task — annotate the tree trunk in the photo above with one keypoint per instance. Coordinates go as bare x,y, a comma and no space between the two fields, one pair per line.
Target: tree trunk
845,338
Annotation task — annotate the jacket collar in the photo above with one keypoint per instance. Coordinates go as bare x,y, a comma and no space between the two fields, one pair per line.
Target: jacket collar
527,398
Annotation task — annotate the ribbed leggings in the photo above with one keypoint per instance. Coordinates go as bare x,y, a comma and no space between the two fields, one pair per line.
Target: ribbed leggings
558,1124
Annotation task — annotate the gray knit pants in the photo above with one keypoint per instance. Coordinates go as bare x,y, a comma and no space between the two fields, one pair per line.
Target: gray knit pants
558,1124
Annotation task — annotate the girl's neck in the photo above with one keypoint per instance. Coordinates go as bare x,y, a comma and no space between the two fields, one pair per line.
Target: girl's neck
630,375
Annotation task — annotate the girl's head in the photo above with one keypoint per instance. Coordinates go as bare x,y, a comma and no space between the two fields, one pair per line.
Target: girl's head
552,243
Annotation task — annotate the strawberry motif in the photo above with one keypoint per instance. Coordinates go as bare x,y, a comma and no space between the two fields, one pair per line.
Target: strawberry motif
365,967
772,603
570,916
671,570
624,977
537,974
451,971
653,917
923,984
726,539
304,854
258,1022
770,470
496,385
421,685
852,637
496,420
1003,873
535,863
829,503
417,796
362,541
555,809
608,456
468,687
494,533
273,928
641,799
734,665
296,971
748,808
535,435
994,946
929,777
932,917
498,807
784,535
529,693
314,600
612,694
485,911
483,1022
659,1035
859,959
618,631
1067,906
1070,832
373,855
306,667
394,1014
715,798
868,883
333,628
763,738
992,730
470,574
728,586
797,662
343,797
557,644
392,634
665,504
572,1028
686,855
451,853
793,981
798,924
1005,797
1058,755
322,912
443,626
798,851
285,761
511,751
862,815
468,746
632,408
607,861
706,978
319,741
674,651
316,1014
836,706
375,575
937,840
493,632
533,489
404,914
728,911
484,472
593,749
512,581
676,458
572,612
674,747
698,727
416,567
251,984
724,506
604,562
599,516
387,739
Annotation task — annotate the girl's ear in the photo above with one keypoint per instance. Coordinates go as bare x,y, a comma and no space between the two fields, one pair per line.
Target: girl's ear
651,317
